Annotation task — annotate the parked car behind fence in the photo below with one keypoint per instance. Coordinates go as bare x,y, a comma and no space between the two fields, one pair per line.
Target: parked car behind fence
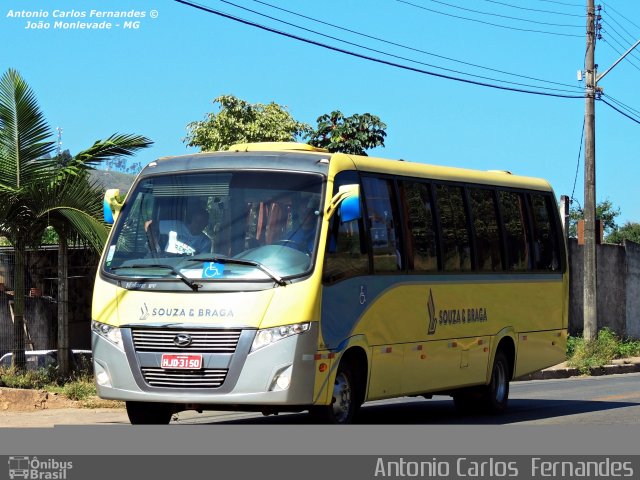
36,359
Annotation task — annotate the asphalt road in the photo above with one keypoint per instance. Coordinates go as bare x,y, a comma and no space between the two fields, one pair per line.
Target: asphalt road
605,400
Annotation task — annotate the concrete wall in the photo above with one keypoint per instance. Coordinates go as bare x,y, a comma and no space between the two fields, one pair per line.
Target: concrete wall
633,289
618,288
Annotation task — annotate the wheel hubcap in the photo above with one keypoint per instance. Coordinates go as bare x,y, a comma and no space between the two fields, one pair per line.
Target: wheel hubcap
341,398
500,382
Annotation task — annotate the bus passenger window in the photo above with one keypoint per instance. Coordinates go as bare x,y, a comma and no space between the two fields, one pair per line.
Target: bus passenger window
422,253
456,250
546,254
513,217
385,245
487,233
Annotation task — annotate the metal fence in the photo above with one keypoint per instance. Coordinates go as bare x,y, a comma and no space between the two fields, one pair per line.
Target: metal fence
41,297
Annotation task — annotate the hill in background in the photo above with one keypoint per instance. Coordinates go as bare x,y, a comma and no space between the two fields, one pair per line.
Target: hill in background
111,179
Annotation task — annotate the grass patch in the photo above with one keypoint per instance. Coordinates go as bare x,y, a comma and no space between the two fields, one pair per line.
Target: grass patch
97,402
585,355
35,379
79,389
78,386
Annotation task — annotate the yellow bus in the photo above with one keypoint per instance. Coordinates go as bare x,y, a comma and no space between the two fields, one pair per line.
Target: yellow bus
279,277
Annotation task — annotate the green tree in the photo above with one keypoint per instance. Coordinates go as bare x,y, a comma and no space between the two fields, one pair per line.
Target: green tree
629,231
121,165
36,191
238,121
605,211
354,134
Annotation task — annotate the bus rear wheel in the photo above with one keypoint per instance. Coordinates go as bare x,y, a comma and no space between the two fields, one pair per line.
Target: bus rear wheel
495,396
149,413
345,400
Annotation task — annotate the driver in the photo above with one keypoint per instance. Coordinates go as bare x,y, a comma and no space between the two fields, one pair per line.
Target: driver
187,238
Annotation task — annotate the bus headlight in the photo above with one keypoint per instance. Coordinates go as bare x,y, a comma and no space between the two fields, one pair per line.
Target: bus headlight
267,336
108,332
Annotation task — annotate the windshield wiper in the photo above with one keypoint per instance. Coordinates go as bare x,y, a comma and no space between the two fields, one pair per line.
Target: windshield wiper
249,263
190,283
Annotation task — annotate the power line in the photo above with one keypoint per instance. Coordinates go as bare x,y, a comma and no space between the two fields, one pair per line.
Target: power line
627,59
608,7
534,9
488,23
619,52
562,3
399,57
628,44
618,102
575,180
620,25
366,57
407,46
620,111
505,16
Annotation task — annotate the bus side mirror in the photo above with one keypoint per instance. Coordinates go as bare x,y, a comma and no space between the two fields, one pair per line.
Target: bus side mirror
350,209
347,202
111,206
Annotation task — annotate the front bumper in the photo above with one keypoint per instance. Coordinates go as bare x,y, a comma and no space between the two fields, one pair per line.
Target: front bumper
249,378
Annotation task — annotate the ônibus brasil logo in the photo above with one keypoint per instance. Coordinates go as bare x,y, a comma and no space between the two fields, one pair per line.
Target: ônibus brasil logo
35,468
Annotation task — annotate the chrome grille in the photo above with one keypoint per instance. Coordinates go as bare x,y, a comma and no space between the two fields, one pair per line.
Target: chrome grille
204,341
205,378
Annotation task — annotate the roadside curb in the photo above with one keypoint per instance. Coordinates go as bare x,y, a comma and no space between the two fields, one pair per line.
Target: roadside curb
560,372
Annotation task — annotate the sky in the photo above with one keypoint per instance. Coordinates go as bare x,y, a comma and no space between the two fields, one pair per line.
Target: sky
155,79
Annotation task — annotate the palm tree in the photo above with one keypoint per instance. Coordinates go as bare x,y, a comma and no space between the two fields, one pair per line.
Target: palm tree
36,192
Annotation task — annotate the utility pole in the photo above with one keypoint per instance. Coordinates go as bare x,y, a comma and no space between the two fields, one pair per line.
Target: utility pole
592,91
59,147
590,265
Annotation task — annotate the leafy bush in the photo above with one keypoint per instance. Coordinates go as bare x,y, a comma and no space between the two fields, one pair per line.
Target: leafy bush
79,390
629,348
598,352
572,342
36,379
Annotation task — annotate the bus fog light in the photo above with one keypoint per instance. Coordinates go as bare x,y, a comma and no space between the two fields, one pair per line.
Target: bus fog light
281,380
102,377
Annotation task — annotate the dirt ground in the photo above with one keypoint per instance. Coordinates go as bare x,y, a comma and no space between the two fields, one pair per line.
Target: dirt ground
39,408
22,400
25,400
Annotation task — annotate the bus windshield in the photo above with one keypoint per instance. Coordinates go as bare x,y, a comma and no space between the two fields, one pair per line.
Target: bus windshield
223,226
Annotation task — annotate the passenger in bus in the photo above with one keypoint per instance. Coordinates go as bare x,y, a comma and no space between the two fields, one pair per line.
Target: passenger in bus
187,238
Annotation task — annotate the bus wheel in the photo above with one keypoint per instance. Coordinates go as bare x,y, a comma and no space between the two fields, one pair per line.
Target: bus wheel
346,398
496,395
148,413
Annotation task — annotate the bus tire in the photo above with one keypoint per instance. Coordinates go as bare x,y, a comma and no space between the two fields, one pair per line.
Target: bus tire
495,395
149,413
346,398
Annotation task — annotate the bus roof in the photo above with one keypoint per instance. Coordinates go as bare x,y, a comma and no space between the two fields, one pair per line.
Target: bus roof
304,157
437,172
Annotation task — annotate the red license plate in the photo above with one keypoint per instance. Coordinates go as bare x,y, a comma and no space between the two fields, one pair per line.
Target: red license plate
182,362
